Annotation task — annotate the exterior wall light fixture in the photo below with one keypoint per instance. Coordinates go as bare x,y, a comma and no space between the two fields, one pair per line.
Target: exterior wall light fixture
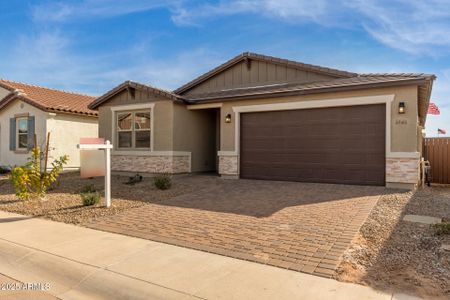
401,108
228,118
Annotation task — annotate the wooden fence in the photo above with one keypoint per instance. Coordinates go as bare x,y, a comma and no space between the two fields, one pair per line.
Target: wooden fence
437,151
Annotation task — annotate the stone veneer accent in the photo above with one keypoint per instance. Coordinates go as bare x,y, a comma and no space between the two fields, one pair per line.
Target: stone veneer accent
151,164
228,165
402,170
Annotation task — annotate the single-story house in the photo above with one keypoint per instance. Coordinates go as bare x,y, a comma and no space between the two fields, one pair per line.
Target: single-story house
28,110
261,117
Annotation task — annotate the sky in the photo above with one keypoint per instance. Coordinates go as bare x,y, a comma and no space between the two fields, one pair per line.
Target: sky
90,46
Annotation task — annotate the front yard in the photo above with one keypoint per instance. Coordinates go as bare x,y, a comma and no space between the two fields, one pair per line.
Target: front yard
298,226
396,255
63,202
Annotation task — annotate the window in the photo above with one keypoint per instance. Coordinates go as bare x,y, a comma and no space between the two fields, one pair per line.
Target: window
133,129
22,133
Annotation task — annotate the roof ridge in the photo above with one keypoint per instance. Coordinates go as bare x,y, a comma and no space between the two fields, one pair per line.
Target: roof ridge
399,74
153,87
133,84
6,81
299,63
273,59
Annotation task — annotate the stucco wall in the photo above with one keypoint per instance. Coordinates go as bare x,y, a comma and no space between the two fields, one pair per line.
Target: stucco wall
403,127
11,158
195,132
3,92
65,133
163,118
175,129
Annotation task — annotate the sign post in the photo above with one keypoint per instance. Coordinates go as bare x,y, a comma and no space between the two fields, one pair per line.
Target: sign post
97,151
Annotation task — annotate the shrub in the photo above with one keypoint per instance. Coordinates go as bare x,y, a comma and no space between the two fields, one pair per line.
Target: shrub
89,188
4,170
163,181
29,181
442,228
90,198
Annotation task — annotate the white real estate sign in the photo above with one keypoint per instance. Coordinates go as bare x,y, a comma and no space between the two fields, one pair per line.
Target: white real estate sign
95,161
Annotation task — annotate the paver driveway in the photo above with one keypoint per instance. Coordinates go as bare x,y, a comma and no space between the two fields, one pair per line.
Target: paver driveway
300,226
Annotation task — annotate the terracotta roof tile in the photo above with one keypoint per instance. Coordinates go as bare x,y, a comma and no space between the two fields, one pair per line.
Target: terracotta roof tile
48,99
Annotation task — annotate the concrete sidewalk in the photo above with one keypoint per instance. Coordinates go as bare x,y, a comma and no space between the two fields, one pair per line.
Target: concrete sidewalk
81,263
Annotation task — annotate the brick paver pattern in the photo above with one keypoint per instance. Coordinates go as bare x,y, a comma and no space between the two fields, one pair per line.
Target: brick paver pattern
304,227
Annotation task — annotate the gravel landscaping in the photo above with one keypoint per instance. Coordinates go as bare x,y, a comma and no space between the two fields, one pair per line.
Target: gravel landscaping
394,255
63,202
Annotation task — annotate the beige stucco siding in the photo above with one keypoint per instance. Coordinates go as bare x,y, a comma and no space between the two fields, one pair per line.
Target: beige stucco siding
195,132
65,130
17,107
3,93
162,114
65,133
403,127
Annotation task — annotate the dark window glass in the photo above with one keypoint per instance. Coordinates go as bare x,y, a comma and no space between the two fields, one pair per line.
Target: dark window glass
142,139
125,139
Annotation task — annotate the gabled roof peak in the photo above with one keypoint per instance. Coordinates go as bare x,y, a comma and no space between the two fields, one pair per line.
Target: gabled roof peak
271,59
47,99
135,85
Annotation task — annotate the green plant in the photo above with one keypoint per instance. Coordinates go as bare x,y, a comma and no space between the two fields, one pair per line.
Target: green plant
4,170
30,181
88,188
442,228
162,181
90,198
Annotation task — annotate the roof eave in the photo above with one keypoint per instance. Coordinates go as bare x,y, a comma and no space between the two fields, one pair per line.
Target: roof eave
131,84
305,92
12,96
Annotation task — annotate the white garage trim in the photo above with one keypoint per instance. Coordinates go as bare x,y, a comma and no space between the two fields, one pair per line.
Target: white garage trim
381,99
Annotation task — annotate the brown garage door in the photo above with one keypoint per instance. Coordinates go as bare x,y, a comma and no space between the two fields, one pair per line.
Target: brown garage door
334,145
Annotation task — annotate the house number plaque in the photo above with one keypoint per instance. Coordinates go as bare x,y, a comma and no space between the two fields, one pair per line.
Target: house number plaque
401,122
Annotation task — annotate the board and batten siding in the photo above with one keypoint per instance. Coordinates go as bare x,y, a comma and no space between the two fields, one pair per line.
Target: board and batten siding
258,73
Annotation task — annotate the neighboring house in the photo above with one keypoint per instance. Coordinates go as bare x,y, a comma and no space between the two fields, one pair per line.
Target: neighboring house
28,110
262,117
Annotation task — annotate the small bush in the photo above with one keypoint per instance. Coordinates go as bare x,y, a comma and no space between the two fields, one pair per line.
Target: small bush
5,170
89,188
90,198
30,180
163,181
442,228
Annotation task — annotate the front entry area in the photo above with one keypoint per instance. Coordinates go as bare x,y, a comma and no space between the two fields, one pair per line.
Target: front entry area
326,145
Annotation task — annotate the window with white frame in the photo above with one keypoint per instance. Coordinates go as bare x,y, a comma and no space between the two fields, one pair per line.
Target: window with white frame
133,129
22,133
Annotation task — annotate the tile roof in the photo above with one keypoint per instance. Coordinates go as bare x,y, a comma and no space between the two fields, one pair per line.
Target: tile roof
356,82
266,58
135,85
48,99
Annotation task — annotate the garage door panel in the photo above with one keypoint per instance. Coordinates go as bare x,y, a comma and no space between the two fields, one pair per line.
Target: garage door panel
335,145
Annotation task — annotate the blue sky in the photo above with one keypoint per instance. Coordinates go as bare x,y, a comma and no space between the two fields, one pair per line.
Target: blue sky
92,45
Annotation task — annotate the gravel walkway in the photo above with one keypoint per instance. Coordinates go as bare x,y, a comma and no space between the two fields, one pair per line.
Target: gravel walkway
395,255
63,202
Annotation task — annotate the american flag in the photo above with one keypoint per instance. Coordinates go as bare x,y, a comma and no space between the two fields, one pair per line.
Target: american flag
441,131
433,109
